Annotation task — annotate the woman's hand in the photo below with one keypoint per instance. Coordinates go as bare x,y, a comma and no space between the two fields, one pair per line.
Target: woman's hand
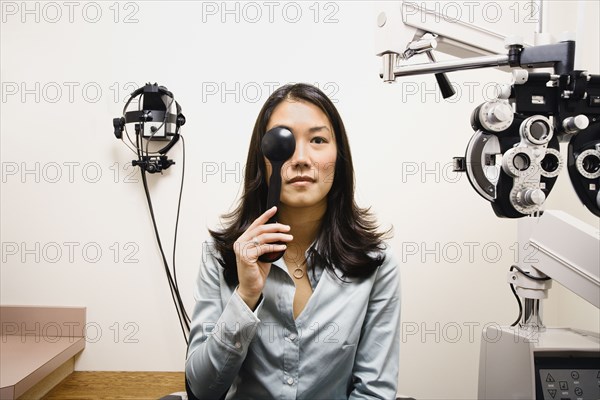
259,238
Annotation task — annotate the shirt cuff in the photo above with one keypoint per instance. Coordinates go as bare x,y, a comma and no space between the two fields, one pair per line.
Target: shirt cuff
238,323
258,304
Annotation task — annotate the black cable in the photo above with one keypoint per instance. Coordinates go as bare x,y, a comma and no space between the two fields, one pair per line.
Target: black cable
147,193
186,317
535,278
143,159
182,315
512,287
174,293
177,218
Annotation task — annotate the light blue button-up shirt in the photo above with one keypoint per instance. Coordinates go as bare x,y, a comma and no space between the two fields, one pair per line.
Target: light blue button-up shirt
343,345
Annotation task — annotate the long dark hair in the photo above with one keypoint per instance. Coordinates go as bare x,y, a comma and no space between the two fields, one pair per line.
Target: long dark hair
347,240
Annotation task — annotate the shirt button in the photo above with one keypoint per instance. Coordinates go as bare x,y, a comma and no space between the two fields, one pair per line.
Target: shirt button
290,381
237,345
293,336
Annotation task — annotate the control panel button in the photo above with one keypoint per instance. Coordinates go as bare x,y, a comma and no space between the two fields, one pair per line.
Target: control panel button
563,385
574,374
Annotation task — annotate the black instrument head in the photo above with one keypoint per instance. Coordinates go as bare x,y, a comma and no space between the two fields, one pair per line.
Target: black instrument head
278,144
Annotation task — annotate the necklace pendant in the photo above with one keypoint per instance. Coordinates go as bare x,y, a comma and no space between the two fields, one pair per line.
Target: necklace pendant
298,273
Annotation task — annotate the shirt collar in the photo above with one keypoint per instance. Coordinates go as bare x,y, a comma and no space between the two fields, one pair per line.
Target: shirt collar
315,270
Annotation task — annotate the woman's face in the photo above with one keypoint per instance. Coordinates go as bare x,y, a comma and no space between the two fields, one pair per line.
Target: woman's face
307,176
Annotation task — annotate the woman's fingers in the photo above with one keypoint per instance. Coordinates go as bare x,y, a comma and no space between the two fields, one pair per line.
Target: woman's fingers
264,218
264,243
252,233
262,237
271,238
270,248
266,231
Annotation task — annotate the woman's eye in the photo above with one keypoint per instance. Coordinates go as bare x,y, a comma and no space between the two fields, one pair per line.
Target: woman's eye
318,140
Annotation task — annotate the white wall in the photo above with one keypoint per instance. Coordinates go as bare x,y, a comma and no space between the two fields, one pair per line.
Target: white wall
79,192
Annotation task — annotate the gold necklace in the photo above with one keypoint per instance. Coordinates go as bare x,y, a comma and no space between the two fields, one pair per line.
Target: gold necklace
298,272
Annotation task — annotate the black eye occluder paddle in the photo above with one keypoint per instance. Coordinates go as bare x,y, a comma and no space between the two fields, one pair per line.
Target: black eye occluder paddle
278,145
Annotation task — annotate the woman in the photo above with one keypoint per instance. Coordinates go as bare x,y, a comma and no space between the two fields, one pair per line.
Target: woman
322,322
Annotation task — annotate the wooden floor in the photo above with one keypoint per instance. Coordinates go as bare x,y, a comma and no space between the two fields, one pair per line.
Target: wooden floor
117,385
